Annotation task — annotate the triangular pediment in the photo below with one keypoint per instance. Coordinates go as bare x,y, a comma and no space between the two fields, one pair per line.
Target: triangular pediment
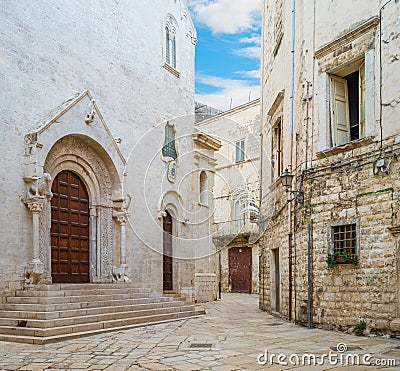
89,117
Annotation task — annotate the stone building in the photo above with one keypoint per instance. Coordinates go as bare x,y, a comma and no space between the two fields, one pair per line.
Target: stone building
100,162
236,193
330,108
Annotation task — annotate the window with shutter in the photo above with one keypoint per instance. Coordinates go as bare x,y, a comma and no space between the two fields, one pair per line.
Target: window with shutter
347,104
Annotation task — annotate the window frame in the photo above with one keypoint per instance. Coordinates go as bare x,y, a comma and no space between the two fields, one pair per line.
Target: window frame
277,149
334,230
167,149
170,59
341,127
240,148
326,140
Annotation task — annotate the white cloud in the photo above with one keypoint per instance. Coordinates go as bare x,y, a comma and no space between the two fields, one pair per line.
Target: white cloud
253,52
253,39
228,16
227,89
253,74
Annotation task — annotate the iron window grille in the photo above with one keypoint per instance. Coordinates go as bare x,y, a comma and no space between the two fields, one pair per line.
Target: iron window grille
344,239
169,149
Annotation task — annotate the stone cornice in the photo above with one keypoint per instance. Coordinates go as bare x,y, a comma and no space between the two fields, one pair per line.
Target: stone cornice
276,103
206,141
347,37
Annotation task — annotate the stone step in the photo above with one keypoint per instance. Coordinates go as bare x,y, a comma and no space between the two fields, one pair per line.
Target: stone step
94,326
84,286
84,319
44,315
57,312
82,292
52,339
71,299
81,305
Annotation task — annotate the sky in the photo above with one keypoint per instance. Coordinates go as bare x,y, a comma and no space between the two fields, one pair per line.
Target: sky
227,52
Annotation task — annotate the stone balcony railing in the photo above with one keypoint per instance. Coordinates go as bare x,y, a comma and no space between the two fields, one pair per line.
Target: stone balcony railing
225,232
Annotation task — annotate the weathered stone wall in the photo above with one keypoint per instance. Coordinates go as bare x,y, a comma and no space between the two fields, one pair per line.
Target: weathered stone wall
206,287
116,50
341,184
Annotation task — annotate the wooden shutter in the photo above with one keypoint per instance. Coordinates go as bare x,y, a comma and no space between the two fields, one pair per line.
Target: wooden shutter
362,100
340,111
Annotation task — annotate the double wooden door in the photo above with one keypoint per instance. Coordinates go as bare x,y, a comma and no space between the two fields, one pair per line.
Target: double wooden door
240,274
167,253
69,229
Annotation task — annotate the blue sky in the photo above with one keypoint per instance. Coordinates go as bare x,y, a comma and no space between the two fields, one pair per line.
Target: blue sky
228,51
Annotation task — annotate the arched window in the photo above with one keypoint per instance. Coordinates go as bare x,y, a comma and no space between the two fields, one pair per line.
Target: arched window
170,47
203,188
167,46
169,149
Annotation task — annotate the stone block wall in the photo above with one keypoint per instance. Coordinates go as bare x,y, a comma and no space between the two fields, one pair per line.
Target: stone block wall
345,294
205,286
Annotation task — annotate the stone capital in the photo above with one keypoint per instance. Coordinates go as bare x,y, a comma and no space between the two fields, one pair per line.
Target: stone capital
35,205
121,216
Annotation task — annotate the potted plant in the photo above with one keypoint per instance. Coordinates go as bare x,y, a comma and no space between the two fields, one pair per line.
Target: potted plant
341,258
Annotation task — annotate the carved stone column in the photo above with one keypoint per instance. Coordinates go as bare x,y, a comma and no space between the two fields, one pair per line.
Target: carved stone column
35,268
121,273
122,220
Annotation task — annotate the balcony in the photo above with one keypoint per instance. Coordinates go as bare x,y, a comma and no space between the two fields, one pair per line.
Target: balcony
244,229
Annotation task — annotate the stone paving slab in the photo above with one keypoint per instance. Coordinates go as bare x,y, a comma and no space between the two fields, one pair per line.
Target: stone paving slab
231,336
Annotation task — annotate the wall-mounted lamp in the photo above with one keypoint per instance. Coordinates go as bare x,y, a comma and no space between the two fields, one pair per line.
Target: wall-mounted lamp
286,179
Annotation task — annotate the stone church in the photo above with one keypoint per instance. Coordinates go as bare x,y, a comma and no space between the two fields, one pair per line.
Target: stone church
101,166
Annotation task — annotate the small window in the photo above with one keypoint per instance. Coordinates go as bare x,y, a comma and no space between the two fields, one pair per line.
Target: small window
170,48
348,104
169,149
239,151
203,188
276,158
344,239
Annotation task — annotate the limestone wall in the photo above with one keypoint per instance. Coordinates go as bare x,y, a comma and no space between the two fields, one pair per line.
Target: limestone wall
341,183
54,50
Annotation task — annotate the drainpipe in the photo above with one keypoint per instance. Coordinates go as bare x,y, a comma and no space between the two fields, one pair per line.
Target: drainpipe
291,97
291,119
309,283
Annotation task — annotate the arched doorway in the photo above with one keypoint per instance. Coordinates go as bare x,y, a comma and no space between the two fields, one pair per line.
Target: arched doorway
69,229
167,252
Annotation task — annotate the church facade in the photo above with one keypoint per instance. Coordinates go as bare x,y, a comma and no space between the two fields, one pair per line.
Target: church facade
100,162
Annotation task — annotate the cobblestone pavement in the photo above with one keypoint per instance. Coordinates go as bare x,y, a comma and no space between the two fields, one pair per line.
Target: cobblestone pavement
230,337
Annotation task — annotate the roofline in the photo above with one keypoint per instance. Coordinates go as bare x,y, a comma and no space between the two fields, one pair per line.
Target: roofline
229,112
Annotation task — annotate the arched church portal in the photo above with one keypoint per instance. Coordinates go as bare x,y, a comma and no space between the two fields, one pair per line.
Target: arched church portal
69,233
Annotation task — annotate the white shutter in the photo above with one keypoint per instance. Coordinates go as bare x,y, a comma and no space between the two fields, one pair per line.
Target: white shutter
362,101
340,110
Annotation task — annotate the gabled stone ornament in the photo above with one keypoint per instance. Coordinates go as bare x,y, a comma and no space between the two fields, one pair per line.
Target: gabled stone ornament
90,113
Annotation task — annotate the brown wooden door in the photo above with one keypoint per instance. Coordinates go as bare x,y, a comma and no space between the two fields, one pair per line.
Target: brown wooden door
167,252
69,229
240,269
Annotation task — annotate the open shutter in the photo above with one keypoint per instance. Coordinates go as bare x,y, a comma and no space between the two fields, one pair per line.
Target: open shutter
362,101
340,110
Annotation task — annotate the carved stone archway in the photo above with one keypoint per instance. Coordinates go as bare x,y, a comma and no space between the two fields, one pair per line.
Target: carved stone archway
76,138
80,156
